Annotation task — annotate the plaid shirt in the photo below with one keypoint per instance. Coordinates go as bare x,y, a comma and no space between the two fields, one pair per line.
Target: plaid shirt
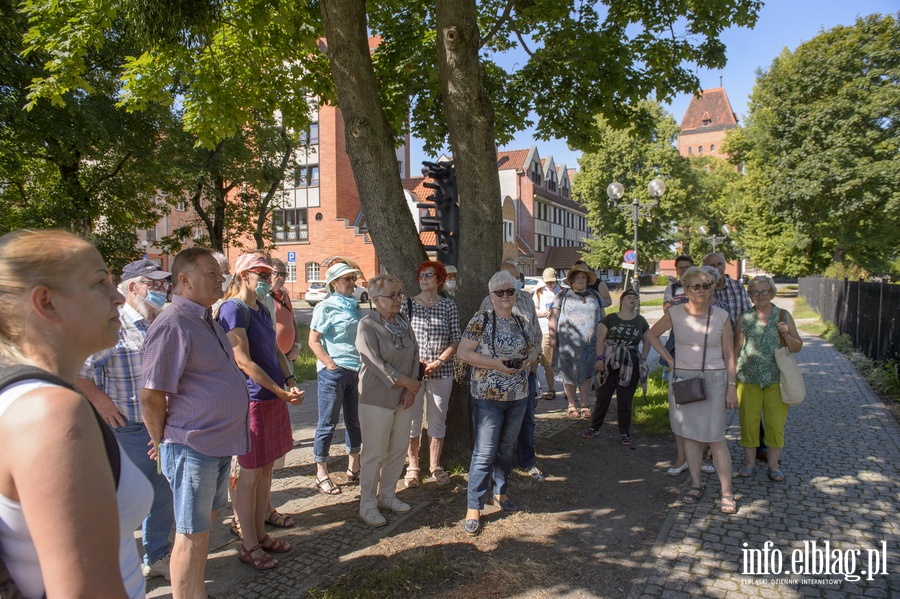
436,328
117,371
733,298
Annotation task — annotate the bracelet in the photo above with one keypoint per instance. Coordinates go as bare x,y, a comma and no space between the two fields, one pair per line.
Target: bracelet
601,357
441,360
289,378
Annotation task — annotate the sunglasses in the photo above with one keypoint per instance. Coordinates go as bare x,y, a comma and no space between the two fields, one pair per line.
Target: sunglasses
279,273
506,292
265,276
427,275
351,278
704,287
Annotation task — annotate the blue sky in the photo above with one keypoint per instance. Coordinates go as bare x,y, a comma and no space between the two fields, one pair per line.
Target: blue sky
782,24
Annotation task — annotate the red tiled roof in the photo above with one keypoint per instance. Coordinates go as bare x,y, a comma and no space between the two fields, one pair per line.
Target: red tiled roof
711,105
562,257
428,237
374,42
512,159
415,187
523,248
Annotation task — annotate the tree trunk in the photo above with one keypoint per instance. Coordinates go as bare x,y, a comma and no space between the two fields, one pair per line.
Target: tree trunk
370,143
470,122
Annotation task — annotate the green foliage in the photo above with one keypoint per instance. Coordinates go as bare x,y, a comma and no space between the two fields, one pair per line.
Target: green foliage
652,413
841,341
844,270
822,146
885,378
305,362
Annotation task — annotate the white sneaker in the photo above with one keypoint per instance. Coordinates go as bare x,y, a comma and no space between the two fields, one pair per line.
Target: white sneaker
158,568
707,467
372,516
673,471
394,504
536,474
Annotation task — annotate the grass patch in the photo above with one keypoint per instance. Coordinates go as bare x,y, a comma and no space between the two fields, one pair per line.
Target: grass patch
417,570
305,363
652,413
656,301
807,319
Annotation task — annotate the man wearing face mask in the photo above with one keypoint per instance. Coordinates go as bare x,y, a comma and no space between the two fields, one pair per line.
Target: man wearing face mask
110,379
450,281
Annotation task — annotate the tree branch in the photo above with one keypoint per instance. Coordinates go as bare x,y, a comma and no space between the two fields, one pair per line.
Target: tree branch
500,21
110,175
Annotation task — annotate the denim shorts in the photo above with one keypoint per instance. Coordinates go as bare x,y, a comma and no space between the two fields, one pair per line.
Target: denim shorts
199,485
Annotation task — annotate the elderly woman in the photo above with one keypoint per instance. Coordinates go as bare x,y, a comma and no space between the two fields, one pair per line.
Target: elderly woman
388,383
758,333
332,338
435,320
701,331
621,365
70,498
574,320
501,355
248,326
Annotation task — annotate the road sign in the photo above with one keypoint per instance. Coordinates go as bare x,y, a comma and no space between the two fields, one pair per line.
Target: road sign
628,266
628,257
292,257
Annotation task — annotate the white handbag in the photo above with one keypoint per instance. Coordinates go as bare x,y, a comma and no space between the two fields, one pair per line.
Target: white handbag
793,389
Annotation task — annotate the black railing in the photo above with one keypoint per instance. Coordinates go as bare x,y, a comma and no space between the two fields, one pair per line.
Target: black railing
868,312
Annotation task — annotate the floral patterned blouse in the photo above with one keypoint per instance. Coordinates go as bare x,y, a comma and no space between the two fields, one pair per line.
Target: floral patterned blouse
502,338
756,362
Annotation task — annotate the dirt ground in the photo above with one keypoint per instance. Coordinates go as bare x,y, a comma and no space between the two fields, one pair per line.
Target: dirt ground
585,531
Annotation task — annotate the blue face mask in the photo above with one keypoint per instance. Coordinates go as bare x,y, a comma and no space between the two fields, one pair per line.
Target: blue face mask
155,299
262,288
518,286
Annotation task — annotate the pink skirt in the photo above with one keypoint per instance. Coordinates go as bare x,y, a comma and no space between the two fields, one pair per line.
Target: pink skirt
270,433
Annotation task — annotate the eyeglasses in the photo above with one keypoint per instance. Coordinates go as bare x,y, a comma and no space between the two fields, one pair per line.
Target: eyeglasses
350,278
506,292
704,287
159,285
265,276
393,297
759,293
279,273
427,275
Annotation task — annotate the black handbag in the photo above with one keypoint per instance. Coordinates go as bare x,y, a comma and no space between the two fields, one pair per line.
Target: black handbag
686,391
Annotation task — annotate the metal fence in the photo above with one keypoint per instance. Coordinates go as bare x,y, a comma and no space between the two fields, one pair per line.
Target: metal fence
868,312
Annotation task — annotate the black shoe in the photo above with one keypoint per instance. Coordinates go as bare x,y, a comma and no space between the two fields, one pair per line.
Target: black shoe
762,455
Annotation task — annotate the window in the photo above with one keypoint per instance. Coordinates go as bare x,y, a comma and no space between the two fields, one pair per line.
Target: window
291,273
290,225
508,231
306,176
151,235
700,150
707,122
712,147
312,271
551,182
690,150
311,136
181,206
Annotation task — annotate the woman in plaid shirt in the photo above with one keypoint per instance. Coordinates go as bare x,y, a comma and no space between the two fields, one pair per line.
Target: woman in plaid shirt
435,320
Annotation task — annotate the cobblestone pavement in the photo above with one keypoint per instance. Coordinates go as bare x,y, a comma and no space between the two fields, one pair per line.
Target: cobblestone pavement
841,458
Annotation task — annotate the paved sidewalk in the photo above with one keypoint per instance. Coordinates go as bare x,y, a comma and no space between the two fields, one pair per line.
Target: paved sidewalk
841,460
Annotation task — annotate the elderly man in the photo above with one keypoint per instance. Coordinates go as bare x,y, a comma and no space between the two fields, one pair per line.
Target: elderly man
524,309
728,291
543,301
110,379
450,283
195,405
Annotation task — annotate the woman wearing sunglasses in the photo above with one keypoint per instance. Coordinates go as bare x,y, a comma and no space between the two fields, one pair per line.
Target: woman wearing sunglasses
496,346
435,320
701,330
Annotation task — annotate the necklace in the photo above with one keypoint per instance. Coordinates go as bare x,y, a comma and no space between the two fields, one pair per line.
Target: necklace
427,302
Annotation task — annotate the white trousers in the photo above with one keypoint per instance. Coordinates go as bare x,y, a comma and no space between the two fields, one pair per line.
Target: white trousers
385,437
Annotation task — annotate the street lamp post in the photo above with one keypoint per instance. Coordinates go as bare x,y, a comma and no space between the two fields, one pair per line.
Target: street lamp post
656,188
714,239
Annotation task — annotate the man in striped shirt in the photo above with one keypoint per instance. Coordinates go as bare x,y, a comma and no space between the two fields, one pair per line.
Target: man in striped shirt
110,379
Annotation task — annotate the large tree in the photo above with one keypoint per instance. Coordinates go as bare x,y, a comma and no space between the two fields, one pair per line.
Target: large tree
822,143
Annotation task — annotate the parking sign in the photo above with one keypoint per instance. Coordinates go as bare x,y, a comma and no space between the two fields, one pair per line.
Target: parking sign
292,257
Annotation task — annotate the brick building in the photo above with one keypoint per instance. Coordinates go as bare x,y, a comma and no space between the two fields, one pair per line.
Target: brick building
706,122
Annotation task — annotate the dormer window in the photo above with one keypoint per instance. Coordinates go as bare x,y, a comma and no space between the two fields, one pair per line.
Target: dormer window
707,122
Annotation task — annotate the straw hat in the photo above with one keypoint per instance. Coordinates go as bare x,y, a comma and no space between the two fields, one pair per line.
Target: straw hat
591,277
549,275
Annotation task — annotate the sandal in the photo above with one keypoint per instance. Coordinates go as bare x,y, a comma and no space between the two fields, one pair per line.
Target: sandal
266,562
411,479
235,527
586,413
440,476
352,477
274,545
625,439
690,497
549,395
573,412
279,520
327,487
729,505
776,475
747,471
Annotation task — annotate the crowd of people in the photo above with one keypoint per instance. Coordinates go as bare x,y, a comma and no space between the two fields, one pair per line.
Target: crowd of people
188,377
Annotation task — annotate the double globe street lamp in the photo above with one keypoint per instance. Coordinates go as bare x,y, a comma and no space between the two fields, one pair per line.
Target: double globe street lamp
713,238
656,188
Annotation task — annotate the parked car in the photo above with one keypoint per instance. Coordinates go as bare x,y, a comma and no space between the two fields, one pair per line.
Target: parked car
317,292
532,284
614,282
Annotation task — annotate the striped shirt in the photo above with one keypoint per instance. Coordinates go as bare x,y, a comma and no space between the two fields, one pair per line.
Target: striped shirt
187,355
117,371
436,328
